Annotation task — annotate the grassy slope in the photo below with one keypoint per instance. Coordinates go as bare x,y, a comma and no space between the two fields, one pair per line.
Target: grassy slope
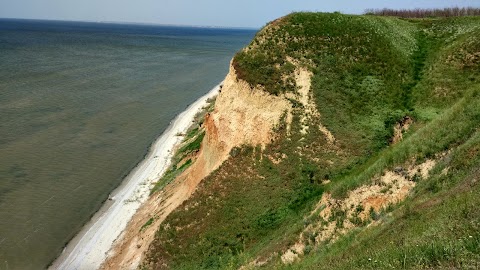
438,227
369,72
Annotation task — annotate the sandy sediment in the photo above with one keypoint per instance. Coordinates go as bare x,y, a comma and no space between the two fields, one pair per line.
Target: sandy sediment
89,248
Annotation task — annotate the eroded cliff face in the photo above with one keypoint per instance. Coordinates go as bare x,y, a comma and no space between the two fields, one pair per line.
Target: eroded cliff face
242,115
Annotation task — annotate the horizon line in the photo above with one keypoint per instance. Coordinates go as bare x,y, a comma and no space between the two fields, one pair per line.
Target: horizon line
136,23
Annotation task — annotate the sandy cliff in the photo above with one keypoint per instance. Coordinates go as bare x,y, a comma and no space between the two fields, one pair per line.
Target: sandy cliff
242,115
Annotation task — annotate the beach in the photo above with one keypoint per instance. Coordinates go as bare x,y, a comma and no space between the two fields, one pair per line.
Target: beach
90,247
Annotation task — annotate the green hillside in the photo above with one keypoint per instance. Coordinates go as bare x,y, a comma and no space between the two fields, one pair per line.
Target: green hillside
370,73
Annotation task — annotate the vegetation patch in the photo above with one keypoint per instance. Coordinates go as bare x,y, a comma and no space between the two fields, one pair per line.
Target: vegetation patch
426,13
147,224
186,153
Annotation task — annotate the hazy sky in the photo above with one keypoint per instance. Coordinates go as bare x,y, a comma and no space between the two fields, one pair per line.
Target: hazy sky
243,13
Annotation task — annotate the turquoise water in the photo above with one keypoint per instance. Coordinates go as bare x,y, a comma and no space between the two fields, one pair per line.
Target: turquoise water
80,103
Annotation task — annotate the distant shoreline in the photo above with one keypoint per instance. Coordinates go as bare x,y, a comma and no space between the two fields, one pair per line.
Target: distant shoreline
134,24
89,248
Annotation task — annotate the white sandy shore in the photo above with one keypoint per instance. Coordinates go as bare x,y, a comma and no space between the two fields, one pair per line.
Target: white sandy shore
89,248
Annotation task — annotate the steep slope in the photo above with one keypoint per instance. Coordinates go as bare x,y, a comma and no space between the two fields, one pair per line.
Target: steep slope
242,115
336,133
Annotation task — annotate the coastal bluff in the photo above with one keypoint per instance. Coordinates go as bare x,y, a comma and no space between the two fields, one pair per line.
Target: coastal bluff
242,116
336,142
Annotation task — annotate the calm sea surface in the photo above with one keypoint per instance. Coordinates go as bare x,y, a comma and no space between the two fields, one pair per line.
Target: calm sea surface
80,103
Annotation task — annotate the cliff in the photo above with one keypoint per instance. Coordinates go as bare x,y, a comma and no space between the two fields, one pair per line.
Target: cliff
243,115
336,142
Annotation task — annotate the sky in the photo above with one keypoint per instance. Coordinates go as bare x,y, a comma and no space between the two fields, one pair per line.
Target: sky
244,13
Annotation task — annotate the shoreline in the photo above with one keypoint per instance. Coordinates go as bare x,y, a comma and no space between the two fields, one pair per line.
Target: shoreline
89,248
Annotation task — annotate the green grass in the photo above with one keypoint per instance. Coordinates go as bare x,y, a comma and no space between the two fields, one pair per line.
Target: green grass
188,148
224,220
147,224
368,73
462,120
191,144
170,175
191,133
439,228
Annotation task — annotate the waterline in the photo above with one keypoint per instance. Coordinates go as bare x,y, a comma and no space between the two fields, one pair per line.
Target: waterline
89,248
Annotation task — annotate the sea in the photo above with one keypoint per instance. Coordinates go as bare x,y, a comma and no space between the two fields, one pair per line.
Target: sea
80,105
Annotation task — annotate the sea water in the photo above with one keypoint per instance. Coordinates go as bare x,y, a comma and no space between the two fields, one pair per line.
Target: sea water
80,104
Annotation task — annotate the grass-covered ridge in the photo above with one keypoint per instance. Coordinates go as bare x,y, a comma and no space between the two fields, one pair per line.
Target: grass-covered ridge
425,12
369,72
